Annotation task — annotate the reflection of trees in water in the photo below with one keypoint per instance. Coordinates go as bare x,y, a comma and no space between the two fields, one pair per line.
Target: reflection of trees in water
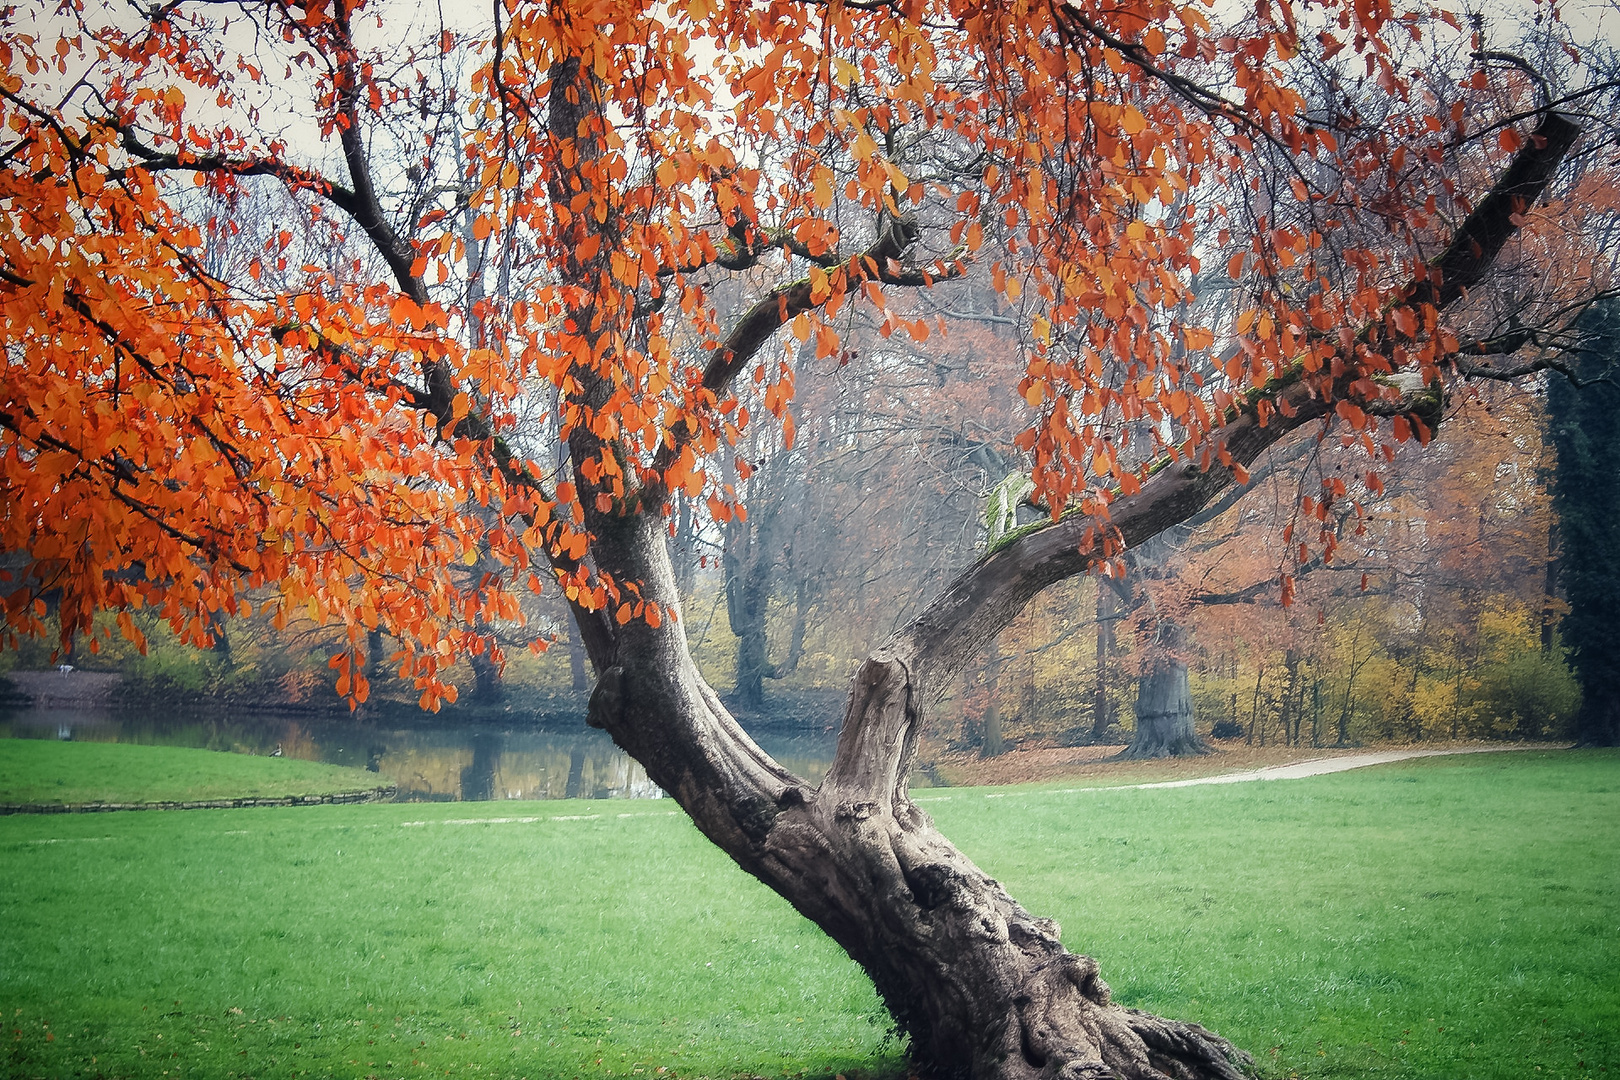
489,765
571,772
576,772
427,764
478,778
424,771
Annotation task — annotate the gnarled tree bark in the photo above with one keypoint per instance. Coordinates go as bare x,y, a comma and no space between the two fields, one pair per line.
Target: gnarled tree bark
983,987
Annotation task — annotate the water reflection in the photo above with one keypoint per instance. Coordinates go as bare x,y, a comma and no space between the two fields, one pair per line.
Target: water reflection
473,762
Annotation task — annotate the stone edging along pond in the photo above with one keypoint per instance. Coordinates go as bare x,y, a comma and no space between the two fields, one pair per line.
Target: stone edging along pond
378,794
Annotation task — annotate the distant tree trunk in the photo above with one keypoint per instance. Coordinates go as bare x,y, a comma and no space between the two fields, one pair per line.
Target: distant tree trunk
1414,721
1290,710
1164,712
487,685
1344,713
374,656
1257,723
222,642
991,743
1316,712
749,560
1102,706
683,545
753,555
802,598
746,608
1456,700
1232,704
1248,735
1549,601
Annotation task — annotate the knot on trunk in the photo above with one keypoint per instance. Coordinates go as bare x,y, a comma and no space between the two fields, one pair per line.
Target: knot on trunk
1083,973
755,815
1036,935
856,811
933,884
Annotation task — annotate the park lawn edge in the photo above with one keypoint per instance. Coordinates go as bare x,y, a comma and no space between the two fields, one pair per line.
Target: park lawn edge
47,776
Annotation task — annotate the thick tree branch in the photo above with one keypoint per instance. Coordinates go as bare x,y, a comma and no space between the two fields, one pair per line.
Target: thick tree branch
919,660
781,305
1480,238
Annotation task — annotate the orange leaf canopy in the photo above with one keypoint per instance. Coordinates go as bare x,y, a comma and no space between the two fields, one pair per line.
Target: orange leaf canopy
305,303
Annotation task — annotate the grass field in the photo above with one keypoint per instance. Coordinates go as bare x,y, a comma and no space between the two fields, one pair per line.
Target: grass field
48,771
1448,918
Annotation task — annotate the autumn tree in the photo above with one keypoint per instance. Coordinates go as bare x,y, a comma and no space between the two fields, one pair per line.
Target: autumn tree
345,432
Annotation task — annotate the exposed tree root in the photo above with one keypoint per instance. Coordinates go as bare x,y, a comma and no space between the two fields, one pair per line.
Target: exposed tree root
1065,1026
1182,744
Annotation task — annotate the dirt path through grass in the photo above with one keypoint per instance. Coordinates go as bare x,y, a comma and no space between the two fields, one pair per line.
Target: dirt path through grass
1231,761
1299,770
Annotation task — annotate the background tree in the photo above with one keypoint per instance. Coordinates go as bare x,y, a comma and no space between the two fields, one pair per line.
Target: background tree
1586,493
1426,623
880,497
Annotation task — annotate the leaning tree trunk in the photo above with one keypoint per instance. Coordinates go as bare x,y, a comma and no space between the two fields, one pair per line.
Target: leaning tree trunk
982,987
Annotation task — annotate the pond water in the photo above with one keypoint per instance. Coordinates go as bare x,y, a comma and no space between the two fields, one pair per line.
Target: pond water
464,762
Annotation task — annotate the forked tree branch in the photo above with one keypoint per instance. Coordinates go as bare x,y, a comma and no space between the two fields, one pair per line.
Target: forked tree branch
879,262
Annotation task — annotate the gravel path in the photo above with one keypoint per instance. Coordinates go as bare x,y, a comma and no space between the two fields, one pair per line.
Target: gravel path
1317,767
1299,770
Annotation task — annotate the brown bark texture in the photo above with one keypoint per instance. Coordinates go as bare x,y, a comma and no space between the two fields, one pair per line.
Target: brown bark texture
982,987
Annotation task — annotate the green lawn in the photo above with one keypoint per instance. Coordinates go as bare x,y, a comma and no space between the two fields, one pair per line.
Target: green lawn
48,771
1448,918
